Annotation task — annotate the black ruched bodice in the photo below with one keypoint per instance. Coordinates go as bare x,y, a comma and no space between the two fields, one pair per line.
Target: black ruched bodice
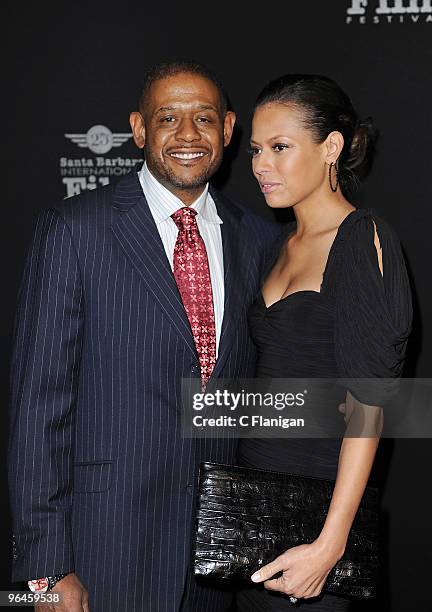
295,339
356,327
294,336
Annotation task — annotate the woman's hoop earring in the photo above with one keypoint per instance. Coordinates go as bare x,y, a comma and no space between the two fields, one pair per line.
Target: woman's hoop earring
334,189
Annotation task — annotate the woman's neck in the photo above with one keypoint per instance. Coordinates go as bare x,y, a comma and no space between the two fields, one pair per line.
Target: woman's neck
319,213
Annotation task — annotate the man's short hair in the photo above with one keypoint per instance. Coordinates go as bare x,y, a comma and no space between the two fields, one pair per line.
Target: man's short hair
172,68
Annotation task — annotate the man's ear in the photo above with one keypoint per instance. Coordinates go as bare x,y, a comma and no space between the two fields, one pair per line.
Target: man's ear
229,122
138,128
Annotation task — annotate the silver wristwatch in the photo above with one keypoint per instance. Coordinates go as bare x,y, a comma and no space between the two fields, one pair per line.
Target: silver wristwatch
42,585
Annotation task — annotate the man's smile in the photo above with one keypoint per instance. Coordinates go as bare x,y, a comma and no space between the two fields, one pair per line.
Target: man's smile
187,156
182,155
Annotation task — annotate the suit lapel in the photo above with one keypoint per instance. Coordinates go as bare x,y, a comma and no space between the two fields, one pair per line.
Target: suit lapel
235,272
135,230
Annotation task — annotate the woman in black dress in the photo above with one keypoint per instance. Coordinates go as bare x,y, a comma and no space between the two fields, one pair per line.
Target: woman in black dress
336,303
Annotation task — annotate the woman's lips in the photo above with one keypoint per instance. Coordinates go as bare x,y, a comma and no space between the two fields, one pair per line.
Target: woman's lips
268,187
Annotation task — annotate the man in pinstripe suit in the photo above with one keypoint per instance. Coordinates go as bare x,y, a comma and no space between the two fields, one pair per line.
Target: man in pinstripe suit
101,479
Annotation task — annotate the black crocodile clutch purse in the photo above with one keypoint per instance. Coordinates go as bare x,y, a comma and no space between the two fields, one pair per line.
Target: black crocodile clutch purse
246,517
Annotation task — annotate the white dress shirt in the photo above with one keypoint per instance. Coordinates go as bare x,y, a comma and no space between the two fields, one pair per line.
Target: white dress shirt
163,204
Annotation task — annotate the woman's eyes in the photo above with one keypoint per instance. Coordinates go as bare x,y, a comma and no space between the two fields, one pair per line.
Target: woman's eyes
253,151
280,146
277,148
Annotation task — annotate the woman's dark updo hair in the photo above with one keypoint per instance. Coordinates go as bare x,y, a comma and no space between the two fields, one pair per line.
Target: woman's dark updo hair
325,108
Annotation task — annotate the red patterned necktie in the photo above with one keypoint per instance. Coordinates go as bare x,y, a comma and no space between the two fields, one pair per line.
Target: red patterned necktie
192,274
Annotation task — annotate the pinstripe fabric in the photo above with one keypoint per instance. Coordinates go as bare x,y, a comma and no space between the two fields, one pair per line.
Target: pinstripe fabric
101,480
163,204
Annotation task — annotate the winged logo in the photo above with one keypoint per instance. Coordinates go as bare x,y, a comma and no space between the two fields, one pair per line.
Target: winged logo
99,139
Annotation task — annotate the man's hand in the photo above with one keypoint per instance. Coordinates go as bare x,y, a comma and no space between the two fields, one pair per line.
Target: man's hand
74,596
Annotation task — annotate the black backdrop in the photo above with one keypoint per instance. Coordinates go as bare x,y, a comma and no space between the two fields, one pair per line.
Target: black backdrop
71,66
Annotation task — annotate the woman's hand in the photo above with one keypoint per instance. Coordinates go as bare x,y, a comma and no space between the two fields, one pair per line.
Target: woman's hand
305,569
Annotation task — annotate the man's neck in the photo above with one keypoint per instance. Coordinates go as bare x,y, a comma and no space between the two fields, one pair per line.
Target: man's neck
186,195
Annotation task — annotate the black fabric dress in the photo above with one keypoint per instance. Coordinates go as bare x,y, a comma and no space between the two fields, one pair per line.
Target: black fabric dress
356,327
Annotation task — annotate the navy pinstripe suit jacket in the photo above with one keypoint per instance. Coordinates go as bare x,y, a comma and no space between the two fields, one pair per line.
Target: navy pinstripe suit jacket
101,479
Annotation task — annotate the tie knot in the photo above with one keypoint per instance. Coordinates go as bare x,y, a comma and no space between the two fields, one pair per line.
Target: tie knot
184,218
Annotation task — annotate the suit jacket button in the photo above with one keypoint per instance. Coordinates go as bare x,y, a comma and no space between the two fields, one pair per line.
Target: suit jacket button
195,370
189,489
